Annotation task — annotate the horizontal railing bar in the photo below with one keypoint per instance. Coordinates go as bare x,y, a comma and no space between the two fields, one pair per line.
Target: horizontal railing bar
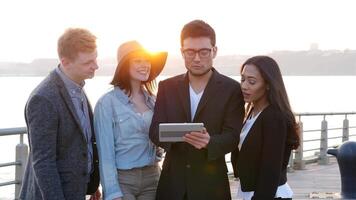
10,164
336,137
9,183
312,130
13,131
326,113
336,128
329,129
311,140
311,149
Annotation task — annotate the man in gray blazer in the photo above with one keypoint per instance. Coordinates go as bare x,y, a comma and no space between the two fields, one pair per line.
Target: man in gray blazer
63,161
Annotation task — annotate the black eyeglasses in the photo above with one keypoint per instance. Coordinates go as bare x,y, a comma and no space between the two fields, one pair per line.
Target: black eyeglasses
203,53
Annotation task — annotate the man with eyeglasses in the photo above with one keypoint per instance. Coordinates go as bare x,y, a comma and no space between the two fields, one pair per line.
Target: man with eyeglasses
196,169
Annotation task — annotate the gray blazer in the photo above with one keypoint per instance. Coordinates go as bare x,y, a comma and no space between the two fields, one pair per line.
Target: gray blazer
57,164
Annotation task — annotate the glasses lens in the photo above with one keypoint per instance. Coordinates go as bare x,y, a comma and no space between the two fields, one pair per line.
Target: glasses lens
204,53
189,53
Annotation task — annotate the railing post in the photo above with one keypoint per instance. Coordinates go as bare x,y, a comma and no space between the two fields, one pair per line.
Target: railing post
21,156
345,130
324,143
299,163
291,163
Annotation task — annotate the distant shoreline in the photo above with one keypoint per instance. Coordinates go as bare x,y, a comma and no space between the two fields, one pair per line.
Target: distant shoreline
292,63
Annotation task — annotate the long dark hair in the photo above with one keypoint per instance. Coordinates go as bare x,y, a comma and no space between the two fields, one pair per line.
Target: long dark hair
277,94
122,79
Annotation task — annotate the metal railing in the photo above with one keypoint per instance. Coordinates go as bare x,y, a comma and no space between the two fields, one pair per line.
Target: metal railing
297,159
20,158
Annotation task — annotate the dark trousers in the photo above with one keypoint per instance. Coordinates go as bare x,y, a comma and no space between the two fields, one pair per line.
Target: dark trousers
185,197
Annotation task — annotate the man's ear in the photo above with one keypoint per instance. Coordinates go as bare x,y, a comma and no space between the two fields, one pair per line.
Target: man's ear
181,51
215,51
64,61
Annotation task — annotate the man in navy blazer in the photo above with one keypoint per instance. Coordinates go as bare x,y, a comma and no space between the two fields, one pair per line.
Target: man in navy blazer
196,169
63,161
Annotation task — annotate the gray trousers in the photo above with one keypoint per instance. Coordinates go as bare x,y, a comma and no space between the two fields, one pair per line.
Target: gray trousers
139,183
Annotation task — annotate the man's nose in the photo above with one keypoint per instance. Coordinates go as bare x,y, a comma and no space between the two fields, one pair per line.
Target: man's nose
196,57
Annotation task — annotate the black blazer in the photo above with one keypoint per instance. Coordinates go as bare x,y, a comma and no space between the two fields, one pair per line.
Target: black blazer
261,164
57,163
199,174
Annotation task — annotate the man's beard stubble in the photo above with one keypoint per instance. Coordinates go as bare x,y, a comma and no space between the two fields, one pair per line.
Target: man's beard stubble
199,74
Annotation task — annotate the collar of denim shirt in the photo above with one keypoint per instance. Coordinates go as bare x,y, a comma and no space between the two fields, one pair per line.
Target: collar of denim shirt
75,90
150,100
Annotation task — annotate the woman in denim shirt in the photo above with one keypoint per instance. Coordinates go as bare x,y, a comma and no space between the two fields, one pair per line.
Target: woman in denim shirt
122,117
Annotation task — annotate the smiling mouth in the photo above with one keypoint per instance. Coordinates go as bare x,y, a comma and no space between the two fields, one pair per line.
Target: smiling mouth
143,72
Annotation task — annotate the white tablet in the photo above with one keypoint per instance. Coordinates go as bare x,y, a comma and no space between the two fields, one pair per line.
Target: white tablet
174,132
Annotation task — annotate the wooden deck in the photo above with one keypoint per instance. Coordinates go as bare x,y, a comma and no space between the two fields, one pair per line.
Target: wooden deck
315,180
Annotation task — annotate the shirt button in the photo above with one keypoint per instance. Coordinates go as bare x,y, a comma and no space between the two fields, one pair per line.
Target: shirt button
187,166
84,173
84,155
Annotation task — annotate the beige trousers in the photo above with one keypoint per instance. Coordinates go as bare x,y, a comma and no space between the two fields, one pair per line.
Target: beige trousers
139,183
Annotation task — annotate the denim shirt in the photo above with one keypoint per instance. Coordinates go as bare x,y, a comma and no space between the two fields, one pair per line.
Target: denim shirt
122,138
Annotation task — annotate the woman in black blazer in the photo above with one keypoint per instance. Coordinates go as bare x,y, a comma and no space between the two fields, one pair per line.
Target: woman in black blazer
269,134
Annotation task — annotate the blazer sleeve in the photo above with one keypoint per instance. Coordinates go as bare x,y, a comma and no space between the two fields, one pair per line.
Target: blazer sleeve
159,116
274,135
42,122
233,158
226,141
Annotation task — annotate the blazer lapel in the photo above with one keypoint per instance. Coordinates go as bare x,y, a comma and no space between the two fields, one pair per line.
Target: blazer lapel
251,135
68,101
183,90
210,91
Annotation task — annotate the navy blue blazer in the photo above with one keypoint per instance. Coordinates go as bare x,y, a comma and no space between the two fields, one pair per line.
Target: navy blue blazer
57,163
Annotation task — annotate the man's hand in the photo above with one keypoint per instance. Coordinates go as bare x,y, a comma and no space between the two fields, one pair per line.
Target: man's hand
198,139
96,195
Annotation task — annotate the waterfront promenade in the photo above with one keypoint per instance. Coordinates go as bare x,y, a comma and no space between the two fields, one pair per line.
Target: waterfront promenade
315,178
314,181
309,180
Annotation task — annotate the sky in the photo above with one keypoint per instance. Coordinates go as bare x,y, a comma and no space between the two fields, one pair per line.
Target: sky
30,28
